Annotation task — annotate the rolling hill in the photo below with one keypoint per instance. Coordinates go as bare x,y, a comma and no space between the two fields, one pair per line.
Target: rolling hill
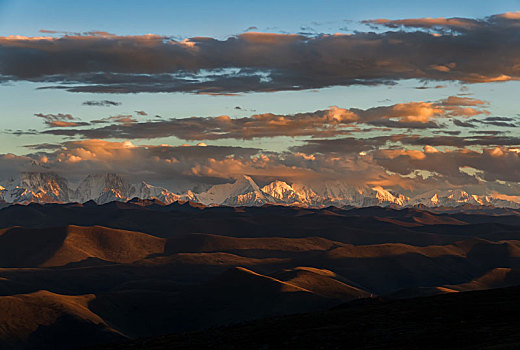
73,275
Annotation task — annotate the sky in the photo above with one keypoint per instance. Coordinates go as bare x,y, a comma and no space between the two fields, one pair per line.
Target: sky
408,95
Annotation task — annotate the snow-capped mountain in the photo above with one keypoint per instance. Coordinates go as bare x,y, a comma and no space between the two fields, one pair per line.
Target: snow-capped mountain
35,187
284,193
106,188
101,188
341,194
454,198
147,191
243,191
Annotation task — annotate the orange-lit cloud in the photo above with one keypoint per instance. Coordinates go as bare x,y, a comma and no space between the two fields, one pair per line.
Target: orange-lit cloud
182,167
330,122
436,49
60,120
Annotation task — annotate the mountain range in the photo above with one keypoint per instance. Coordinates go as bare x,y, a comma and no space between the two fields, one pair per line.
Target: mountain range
103,188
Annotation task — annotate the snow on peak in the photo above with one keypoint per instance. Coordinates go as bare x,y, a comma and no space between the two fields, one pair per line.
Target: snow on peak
36,187
232,192
102,188
454,198
384,196
297,194
435,199
279,190
146,191
243,191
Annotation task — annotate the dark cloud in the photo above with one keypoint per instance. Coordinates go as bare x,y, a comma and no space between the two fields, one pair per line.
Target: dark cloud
453,49
12,165
463,124
504,122
348,145
60,120
487,132
406,125
44,146
461,142
104,103
343,146
447,132
450,25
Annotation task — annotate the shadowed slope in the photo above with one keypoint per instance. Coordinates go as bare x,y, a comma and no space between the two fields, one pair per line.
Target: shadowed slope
215,243
414,292
472,320
32,320
236,295
21,247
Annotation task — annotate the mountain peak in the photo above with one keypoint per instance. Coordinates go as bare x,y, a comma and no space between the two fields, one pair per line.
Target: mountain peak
47,187
284,193
36,187
219,194
246,181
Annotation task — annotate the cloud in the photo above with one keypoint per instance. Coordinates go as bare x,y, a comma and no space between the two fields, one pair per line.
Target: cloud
103,103
342,146
491,164
12,165
430,49
454,24
461,142
183,167
439,24
334,121
117,119
164,164
504,122
463,124
351,145
60,120
178,166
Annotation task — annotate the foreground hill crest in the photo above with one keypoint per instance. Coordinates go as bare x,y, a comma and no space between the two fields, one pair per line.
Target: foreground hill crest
104,188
